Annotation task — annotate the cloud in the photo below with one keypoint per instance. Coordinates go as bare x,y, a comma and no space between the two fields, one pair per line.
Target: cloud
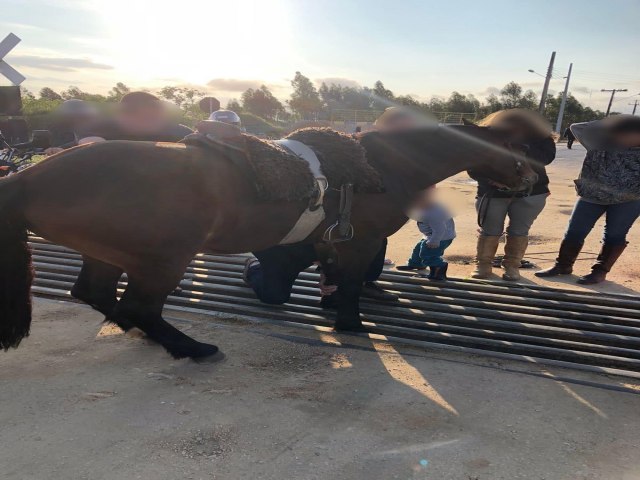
490,91
233,84
579,89
345,82
59,64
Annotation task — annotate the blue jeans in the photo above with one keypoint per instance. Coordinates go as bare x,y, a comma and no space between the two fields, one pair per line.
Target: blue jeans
619,220
423,256
272,279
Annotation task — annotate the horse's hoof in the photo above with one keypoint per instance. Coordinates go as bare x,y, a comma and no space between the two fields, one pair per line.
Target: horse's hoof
215,358
350,328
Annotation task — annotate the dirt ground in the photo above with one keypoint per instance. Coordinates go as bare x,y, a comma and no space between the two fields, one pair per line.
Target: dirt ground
78,401
459,194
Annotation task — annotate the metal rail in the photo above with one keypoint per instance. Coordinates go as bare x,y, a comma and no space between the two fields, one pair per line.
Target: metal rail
578,329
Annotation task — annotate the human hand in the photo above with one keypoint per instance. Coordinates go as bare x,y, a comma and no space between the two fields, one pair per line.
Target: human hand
433,244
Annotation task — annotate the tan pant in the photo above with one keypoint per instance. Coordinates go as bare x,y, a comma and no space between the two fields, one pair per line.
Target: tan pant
522,212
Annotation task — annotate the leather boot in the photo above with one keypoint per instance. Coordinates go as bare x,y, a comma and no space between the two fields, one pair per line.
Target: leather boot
569,251
486,250
514,250
609,254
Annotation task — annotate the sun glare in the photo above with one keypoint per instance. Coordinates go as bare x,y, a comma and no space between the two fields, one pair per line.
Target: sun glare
198,41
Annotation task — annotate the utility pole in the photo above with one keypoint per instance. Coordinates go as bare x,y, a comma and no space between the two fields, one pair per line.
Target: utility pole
613,94
564,100
635,105
547,79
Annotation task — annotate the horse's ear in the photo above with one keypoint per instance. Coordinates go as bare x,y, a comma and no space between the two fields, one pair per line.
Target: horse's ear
468,123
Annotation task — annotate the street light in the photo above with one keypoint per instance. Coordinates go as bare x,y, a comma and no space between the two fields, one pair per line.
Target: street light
539,74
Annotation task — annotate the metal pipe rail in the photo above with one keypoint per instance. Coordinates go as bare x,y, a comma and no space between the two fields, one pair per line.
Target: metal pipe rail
572,328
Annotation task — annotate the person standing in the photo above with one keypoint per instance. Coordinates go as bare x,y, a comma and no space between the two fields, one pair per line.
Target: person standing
569,136
67,121
609,184
438,230
494,204
141,116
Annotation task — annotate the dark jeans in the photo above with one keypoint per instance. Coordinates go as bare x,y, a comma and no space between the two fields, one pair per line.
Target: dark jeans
619,220
273,278
423,256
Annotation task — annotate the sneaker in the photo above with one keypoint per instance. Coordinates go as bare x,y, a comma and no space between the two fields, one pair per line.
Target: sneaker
409,268
249,262
375,292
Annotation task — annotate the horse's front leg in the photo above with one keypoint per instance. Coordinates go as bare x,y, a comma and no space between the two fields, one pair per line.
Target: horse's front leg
354,258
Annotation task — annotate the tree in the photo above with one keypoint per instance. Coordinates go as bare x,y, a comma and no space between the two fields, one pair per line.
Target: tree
337,96
234,105
574,111
184,97
117,92
511,96
261,102
461,103
75,92
49,94
382,97
305,100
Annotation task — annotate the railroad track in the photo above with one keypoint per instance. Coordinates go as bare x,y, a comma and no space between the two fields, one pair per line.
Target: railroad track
550,326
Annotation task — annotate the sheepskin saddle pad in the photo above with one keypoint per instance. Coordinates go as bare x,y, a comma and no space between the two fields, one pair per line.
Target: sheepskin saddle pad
280,175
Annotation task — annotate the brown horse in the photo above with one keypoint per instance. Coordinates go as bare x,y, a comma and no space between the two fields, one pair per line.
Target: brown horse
147,208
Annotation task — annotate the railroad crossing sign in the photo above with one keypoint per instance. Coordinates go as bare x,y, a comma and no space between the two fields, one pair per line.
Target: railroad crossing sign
7,70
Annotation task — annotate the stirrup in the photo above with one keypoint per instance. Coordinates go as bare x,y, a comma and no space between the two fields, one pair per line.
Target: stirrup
343,228
329,232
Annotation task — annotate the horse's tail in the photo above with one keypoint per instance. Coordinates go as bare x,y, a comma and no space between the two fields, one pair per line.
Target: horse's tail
16,272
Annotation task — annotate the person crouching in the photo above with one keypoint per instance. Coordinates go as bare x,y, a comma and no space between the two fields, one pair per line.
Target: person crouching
438,230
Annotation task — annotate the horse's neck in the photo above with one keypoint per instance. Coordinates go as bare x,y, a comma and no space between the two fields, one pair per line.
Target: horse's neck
404,177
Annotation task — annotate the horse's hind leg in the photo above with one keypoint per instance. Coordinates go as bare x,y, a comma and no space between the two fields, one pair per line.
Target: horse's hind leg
141,305
97,285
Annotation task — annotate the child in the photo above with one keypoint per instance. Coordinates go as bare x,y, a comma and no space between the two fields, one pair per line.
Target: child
439,230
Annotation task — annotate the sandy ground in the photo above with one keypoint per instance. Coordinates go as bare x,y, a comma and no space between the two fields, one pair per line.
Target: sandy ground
79,402
459,193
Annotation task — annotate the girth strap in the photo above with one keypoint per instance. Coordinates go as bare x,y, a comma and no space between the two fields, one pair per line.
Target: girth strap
314,214
309,156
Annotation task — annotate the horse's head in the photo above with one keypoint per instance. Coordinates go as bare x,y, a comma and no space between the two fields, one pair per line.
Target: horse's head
500,158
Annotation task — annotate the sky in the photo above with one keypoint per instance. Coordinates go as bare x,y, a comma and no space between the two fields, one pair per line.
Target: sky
423,48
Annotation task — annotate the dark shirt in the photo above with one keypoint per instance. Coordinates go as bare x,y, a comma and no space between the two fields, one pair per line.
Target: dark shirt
568,134
541,153
111,130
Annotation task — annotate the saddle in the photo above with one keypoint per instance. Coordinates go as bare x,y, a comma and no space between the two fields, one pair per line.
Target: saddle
293,169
